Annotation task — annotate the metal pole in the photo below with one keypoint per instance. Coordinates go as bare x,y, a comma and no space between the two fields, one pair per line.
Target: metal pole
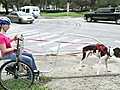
46,5
68,6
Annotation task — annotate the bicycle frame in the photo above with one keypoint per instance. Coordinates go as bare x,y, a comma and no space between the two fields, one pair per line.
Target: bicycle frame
16,70
19,49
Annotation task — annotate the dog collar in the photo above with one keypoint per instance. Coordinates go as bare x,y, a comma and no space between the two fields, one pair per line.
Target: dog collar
111,52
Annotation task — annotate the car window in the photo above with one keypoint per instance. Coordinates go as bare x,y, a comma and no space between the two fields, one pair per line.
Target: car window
112,10
23,10
106,10
27,10
36,9
33,9
99,10
15,14
11,14
22,14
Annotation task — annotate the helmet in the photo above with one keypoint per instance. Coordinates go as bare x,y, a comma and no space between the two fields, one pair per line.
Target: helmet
5,21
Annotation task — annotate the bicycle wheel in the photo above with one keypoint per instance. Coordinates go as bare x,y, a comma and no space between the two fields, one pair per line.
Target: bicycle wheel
16,76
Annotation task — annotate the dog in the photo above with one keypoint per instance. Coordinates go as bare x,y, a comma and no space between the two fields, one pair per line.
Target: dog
102,52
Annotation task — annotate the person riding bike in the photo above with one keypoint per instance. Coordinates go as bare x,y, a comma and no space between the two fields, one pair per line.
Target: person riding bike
7,51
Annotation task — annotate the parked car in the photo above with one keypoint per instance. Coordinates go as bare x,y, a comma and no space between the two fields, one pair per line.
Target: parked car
103,14
21,17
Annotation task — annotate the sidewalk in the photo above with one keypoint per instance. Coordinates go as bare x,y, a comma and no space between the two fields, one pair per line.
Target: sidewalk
66,75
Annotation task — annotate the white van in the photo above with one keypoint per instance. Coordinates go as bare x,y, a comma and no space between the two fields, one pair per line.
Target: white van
32,10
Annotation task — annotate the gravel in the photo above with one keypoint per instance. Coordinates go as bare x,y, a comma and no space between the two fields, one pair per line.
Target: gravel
66,76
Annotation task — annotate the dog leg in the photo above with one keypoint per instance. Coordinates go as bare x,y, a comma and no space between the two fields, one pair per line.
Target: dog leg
107,64
85,56
99,66
80,65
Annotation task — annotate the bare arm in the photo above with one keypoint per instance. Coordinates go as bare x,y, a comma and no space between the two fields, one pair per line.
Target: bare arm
4,49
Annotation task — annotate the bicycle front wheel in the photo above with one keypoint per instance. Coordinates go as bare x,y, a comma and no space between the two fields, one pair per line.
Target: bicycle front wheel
16,76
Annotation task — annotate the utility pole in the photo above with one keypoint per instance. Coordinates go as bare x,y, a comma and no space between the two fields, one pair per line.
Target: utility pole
40,4
46,5
68,7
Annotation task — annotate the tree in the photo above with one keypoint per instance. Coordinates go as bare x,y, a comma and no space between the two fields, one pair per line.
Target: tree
5,5
93,4
35,2
75,4
18,3
114,3
80,4
101,3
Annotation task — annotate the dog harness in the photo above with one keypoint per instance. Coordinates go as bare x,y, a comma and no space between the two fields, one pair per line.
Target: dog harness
101,47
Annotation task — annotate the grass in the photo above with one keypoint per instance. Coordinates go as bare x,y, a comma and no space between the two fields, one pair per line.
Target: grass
1,58
36,86
60,14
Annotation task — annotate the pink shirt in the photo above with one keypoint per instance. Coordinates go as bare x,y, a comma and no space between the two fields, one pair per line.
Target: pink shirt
5,40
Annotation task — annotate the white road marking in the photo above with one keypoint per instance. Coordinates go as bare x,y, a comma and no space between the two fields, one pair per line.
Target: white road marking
50,36
52,41
117,41
38,36
65,44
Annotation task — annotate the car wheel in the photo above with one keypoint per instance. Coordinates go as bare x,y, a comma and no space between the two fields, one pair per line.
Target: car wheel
118,21
20,21
31,22
95,20
89,19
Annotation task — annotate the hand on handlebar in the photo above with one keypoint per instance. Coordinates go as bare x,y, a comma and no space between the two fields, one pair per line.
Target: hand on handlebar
15,38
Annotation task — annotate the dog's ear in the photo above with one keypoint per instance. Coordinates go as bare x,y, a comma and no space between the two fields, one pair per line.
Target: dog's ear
117,52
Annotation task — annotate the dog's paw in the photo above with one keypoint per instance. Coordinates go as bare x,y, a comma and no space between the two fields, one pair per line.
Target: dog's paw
97,74
109,71
83,65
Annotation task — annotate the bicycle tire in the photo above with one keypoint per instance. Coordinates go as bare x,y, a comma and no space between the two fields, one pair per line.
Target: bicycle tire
20,77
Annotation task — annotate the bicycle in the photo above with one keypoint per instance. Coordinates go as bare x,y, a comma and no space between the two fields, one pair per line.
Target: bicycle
16,73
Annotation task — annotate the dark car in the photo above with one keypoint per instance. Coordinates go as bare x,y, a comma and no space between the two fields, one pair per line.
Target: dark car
103,14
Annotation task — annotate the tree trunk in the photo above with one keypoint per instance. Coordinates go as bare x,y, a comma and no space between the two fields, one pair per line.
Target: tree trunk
5,4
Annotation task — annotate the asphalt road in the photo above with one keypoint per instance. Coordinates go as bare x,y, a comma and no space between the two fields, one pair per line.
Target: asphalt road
48,32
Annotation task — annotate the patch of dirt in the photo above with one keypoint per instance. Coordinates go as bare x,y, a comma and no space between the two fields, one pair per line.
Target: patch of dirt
66,75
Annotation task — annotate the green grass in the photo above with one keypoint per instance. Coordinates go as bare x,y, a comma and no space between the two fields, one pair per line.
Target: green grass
60,14
1,58
35,86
